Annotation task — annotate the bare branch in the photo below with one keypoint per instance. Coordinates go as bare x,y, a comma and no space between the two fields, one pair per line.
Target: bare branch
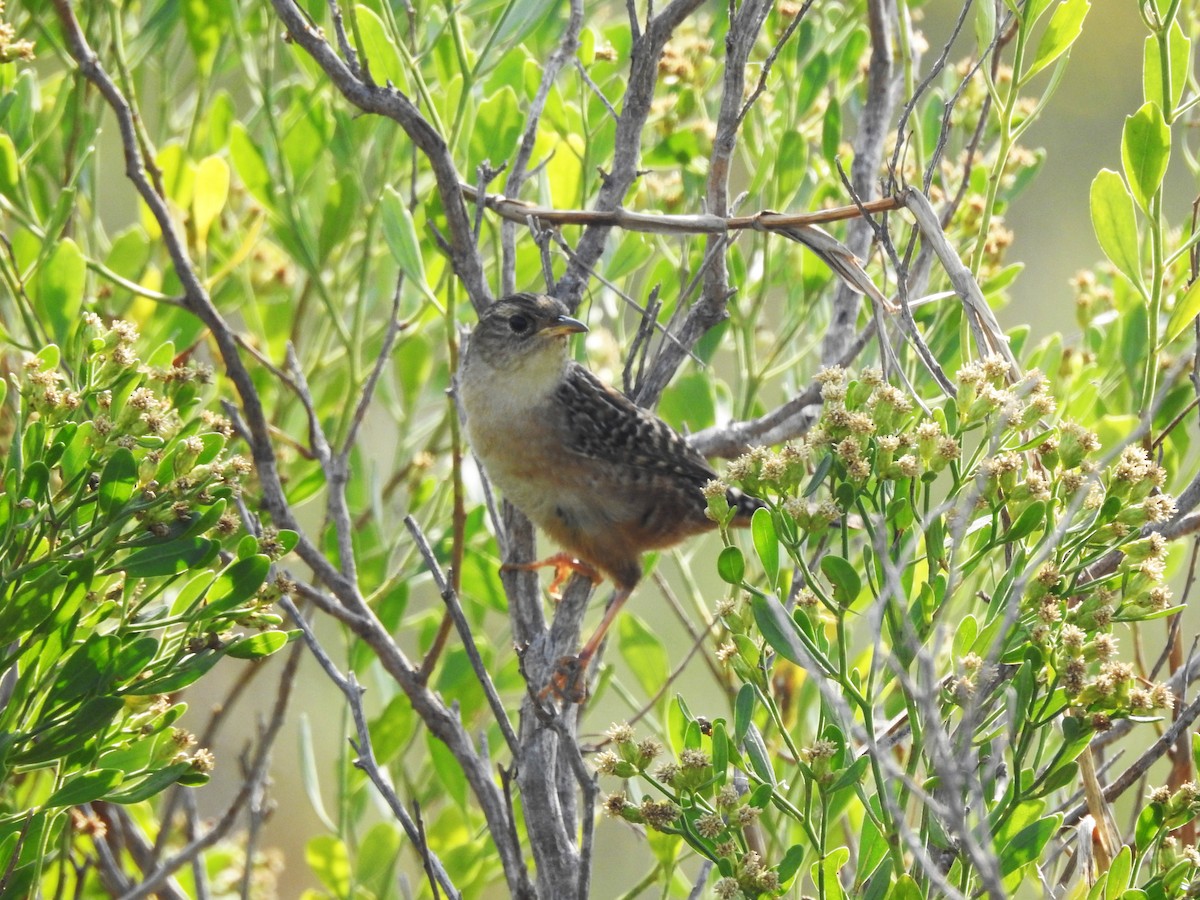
450,598
662,223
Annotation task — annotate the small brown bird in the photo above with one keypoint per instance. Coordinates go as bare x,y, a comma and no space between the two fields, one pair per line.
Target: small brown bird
606,479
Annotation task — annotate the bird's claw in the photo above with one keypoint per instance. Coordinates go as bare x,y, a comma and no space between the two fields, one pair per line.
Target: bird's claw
568,682
564,567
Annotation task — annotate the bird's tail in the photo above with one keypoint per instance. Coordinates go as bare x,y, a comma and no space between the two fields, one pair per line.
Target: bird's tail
744,503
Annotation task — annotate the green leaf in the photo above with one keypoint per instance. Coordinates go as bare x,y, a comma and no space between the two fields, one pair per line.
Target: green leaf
1065,26
10,169
831,131
1028,844
210,194
401,235
905,889
498,125
1150,822
207,21
644,653
1179,51
1032,11
731,565
850,775
1031,519
155,783
766,544
377,858
328,857
985,26
341,204
830,865
251,166
170,558
117,482
790,864
690,403
631,254
450,777
1145,152
790,168
237,584
1119,872
379,53
743,712
1186,309
94,716
843,577
778,629
178,676
57,288
393,728
756,751
259,646
86,787
1114,222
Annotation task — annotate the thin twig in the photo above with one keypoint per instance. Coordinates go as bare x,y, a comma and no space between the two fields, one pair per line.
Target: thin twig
365,760
450,598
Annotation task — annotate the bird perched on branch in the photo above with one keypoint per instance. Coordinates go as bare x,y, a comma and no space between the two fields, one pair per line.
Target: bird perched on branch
606,479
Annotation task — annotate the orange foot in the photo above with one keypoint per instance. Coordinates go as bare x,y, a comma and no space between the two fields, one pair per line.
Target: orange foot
564,566
568,682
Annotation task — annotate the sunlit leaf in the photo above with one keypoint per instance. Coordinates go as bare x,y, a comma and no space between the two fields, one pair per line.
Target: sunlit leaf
1065,26
379,52
1115,223
1145,151
86,787
329,860
209,195
10,171
258,646
1187,308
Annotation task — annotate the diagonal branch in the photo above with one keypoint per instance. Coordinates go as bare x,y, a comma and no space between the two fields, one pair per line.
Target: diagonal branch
389,102
639,92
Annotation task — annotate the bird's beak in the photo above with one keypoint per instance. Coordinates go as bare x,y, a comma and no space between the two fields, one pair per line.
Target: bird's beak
564,325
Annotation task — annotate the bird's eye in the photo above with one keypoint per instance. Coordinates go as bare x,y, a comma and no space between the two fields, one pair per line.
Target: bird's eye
518,324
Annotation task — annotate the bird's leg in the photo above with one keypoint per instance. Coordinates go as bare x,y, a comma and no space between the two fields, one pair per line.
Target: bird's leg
614,606
564,565
569,680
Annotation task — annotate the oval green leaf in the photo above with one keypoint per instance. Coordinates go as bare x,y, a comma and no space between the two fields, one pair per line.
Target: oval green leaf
766,543
258,646
86,787
845,581
1065,26
237,584
401,235
1186,309
1115,224
731,566
1145,151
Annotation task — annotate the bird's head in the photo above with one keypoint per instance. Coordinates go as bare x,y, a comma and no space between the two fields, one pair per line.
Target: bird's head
523,329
